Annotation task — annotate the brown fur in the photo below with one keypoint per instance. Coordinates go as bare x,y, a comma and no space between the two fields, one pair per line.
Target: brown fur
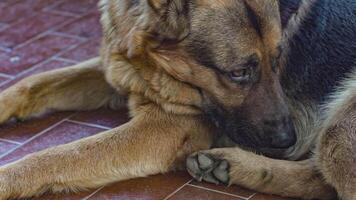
147,57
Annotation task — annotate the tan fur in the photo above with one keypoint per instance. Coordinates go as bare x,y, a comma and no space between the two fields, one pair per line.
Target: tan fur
165,90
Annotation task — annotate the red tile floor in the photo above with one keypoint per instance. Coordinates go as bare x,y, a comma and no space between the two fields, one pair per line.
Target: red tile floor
40,35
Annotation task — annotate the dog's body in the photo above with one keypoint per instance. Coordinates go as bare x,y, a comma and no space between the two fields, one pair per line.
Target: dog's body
155,53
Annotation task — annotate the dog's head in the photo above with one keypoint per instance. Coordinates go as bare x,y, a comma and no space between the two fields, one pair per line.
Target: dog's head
229,51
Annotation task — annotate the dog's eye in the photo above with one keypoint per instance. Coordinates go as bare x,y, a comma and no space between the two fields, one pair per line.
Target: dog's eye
241,75
245,72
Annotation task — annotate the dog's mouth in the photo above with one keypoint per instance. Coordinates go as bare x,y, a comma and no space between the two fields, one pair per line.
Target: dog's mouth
277,153
266,150
276,140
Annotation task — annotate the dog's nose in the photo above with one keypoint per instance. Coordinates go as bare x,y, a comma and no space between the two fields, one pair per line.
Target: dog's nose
281,134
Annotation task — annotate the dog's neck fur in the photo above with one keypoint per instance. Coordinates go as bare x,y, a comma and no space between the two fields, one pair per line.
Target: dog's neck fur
135,63
317,58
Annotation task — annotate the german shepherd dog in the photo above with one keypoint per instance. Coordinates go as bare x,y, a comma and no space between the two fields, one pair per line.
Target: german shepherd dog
198,74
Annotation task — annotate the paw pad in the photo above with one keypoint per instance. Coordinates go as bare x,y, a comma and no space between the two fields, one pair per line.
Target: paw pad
205,167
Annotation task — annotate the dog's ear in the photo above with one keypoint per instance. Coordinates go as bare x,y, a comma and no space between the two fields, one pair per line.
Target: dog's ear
170,18
147,22
287,9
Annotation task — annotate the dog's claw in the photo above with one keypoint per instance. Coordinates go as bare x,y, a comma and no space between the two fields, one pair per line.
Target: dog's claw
205,167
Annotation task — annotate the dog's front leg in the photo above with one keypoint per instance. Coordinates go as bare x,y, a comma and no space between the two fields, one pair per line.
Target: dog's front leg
79,87
152,142
298,179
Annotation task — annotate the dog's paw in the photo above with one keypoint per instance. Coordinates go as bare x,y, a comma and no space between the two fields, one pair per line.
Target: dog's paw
6,107
208,167
11,102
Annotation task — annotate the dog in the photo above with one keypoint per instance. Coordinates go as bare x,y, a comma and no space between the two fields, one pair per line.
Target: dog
197,74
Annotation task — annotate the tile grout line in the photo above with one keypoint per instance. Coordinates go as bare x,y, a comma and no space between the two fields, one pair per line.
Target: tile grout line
56,33
65,60
177,190
47,60
34,38
63,13
46,32
17,21
94,193
40,35
4,26
4,83
37,135
217,191
52,6
7,49
33,68
6,76
59,54
50,31
253,195
89,124
10,141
